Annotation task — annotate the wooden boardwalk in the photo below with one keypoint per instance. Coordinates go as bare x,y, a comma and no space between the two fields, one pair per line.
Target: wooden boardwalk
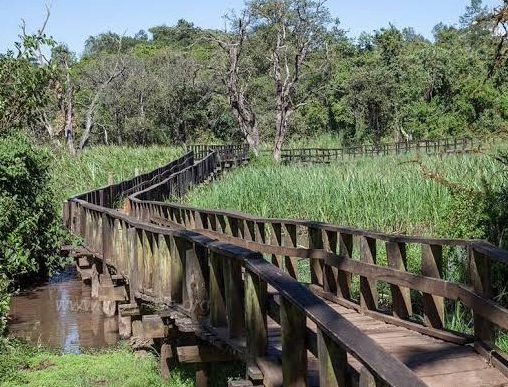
224,285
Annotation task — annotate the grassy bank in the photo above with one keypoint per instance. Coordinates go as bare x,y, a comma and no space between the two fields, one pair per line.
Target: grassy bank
22,364
72,175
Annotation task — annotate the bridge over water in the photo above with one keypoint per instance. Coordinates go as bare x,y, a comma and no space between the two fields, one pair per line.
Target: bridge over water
223,285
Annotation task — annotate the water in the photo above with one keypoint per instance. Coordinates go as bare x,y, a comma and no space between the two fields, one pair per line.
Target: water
61,314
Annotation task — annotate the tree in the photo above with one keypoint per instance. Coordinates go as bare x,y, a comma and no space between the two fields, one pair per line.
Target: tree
294,30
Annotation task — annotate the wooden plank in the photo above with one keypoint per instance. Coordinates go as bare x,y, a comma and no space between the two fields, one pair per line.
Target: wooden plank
432,266
294,350
401,298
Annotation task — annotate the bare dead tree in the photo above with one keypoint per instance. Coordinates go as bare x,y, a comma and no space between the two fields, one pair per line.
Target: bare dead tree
235,76
295,29
107,72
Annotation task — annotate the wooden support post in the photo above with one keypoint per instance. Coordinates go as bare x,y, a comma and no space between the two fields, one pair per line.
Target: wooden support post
401,297
202,374
217,296
432,266
124,326
166,360
480,280
294,349
255,315
330,274
332,362
368,287
316,269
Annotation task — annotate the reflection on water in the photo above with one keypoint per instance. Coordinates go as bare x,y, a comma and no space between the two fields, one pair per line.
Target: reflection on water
61,314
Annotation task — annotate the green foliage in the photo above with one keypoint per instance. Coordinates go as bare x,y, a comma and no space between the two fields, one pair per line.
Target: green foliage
30,231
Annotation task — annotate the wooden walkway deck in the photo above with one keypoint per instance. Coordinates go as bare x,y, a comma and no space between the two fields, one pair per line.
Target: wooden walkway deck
438,363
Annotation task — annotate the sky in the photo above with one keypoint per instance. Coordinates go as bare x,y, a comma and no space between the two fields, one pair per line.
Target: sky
73,21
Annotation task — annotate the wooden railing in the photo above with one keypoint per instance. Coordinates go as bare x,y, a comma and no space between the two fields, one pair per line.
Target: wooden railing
329,250
225,287
428,147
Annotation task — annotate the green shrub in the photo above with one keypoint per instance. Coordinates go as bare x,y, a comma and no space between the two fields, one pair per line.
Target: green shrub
30,227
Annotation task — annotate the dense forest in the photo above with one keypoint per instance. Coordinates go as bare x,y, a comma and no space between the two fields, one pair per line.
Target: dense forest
278,69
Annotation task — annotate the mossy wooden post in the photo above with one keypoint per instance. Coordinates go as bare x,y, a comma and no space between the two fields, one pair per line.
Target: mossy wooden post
401,298
289,240
332,362
479,266
276,240
255,315
316,268
432,266
196,269
178,250
234,293
368,287
294,350
345,246
217,297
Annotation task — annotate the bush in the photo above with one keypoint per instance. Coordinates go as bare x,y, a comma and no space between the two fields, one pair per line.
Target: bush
30,227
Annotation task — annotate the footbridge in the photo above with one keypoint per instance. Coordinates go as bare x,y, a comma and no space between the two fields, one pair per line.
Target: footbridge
204,286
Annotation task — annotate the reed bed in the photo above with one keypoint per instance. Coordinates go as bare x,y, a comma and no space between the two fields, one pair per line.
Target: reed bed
388,194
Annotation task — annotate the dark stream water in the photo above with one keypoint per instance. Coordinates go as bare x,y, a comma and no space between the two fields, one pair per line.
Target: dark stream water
61,314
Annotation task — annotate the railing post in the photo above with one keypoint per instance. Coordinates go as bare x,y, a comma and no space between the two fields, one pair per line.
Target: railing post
479,266
316,268
289,240
255,315
345,246
177,269
368,287
432,266
276,240
401,298
332,362
294,349
234,293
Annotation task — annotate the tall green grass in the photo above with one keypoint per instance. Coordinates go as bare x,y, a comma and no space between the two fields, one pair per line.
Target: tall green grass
72,175
387,193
